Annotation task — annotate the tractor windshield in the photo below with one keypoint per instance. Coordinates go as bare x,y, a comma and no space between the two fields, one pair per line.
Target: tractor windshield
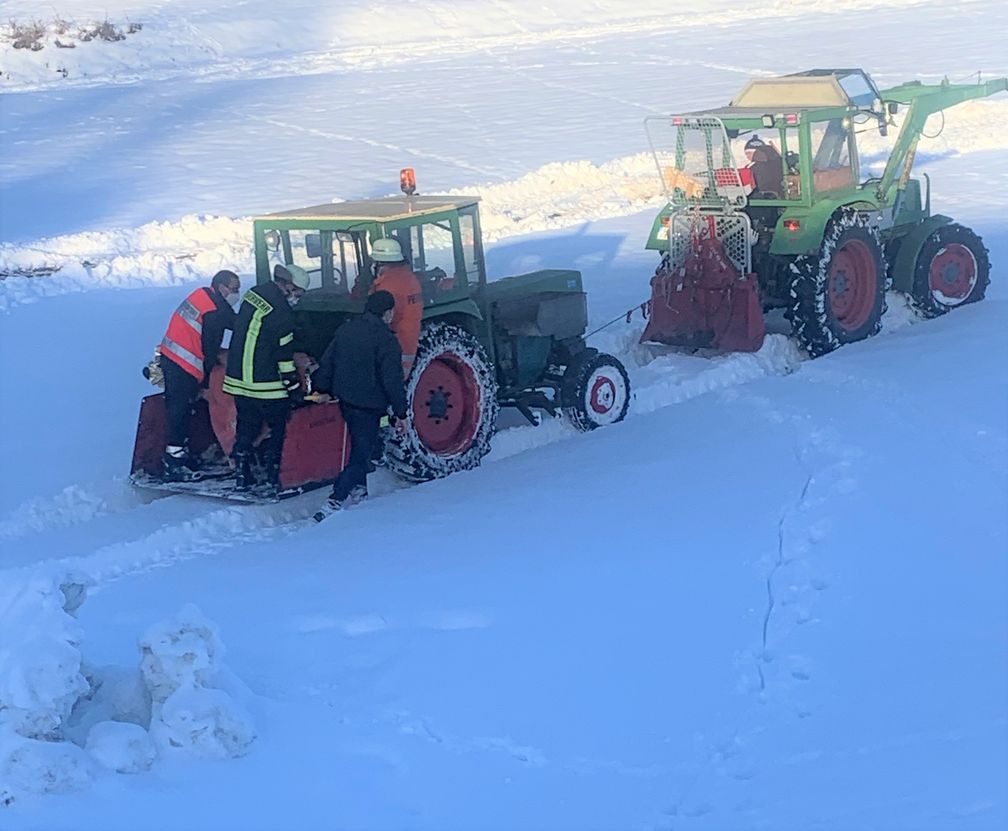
333,259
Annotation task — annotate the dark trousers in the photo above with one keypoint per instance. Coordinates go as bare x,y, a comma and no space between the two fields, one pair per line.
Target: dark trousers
363,427
180,391
252,414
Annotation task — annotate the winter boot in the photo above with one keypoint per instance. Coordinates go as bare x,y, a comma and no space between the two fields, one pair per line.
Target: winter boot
178,465
357,495
329,507
243,470
268,486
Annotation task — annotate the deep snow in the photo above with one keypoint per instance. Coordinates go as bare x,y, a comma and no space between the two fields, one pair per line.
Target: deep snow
781,603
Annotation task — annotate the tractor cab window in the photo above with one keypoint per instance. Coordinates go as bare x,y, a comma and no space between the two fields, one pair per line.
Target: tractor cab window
792,164
467,230
333,259
430,249
831,156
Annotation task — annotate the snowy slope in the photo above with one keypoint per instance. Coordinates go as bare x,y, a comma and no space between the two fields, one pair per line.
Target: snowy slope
775,597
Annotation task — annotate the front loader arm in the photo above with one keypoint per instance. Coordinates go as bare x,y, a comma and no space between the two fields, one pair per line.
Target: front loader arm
924,101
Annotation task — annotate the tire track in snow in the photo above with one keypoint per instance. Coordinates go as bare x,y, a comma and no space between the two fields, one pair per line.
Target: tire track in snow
219,530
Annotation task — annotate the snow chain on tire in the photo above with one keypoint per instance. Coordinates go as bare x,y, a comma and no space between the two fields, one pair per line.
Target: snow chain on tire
812,320
922,297
582,403
407,455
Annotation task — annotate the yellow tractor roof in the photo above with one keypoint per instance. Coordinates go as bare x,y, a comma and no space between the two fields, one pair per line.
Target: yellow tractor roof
377,210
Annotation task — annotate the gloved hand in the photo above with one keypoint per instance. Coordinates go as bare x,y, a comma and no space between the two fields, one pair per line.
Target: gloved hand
293,387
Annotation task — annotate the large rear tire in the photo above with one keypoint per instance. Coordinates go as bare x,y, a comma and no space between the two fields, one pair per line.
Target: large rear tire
952,269
452,398
838,295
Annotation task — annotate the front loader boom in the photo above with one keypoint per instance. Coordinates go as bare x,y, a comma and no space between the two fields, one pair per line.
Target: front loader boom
924,101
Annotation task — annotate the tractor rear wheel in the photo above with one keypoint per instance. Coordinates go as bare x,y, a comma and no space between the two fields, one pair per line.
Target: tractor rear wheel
838,295
952,268
451,394
595,391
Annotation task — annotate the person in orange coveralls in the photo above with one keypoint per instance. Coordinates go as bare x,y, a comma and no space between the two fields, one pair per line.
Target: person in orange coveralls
396,277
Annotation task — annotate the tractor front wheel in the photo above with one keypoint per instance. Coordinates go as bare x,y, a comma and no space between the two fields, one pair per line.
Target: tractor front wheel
595,391
451,395
952,268
838,294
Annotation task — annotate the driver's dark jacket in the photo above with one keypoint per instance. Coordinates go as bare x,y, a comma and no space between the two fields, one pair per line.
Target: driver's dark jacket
362,366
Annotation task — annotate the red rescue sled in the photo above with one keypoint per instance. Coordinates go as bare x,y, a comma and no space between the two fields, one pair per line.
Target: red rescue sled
315,447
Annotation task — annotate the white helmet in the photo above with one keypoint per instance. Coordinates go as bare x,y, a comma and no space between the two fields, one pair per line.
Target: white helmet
292,274
386,251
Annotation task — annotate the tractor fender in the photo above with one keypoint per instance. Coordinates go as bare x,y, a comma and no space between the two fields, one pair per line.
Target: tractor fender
812,226
909,247
465,307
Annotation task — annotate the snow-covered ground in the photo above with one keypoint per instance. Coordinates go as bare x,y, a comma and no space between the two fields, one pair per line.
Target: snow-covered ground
775,597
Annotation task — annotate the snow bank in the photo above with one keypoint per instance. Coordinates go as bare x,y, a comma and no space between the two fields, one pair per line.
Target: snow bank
190,37
61,722
555,196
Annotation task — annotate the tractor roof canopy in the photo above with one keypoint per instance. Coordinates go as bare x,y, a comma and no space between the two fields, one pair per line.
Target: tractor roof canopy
375,210
805,92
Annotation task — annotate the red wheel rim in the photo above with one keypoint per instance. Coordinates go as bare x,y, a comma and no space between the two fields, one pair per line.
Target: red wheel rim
603,395
953,274
853,280
446,405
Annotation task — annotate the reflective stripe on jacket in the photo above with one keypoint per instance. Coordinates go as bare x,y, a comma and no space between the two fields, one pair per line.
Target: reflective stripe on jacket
183,342
261,355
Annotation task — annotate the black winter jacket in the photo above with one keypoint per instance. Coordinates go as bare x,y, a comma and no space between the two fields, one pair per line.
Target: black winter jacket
362,366
214,324
261,354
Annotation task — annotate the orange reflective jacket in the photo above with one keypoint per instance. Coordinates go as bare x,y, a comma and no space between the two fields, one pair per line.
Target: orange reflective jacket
183,342
400,281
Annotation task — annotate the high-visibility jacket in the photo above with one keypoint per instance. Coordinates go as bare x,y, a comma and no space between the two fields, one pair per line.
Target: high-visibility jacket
261,354
399,280
195,332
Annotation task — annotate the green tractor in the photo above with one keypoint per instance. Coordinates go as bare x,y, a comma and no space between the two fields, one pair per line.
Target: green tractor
802,227
514,342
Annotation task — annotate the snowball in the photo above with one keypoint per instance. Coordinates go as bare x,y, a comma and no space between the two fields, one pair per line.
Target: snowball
122,747
179,652
44,767
204,722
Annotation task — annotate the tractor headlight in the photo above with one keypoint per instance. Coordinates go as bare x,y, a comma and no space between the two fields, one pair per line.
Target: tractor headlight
768,120
272,240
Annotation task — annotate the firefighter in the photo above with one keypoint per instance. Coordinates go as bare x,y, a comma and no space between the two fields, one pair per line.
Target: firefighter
188,354
261,374
393,274
362,368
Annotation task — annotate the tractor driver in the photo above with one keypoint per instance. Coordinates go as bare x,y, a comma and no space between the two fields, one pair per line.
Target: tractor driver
767,168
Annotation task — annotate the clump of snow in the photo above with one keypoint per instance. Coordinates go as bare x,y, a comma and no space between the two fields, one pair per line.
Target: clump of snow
204,722
181,665
58,717
120,746
40,659
40,767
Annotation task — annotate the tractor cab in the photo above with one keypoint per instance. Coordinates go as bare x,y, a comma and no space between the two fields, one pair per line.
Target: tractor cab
439,235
